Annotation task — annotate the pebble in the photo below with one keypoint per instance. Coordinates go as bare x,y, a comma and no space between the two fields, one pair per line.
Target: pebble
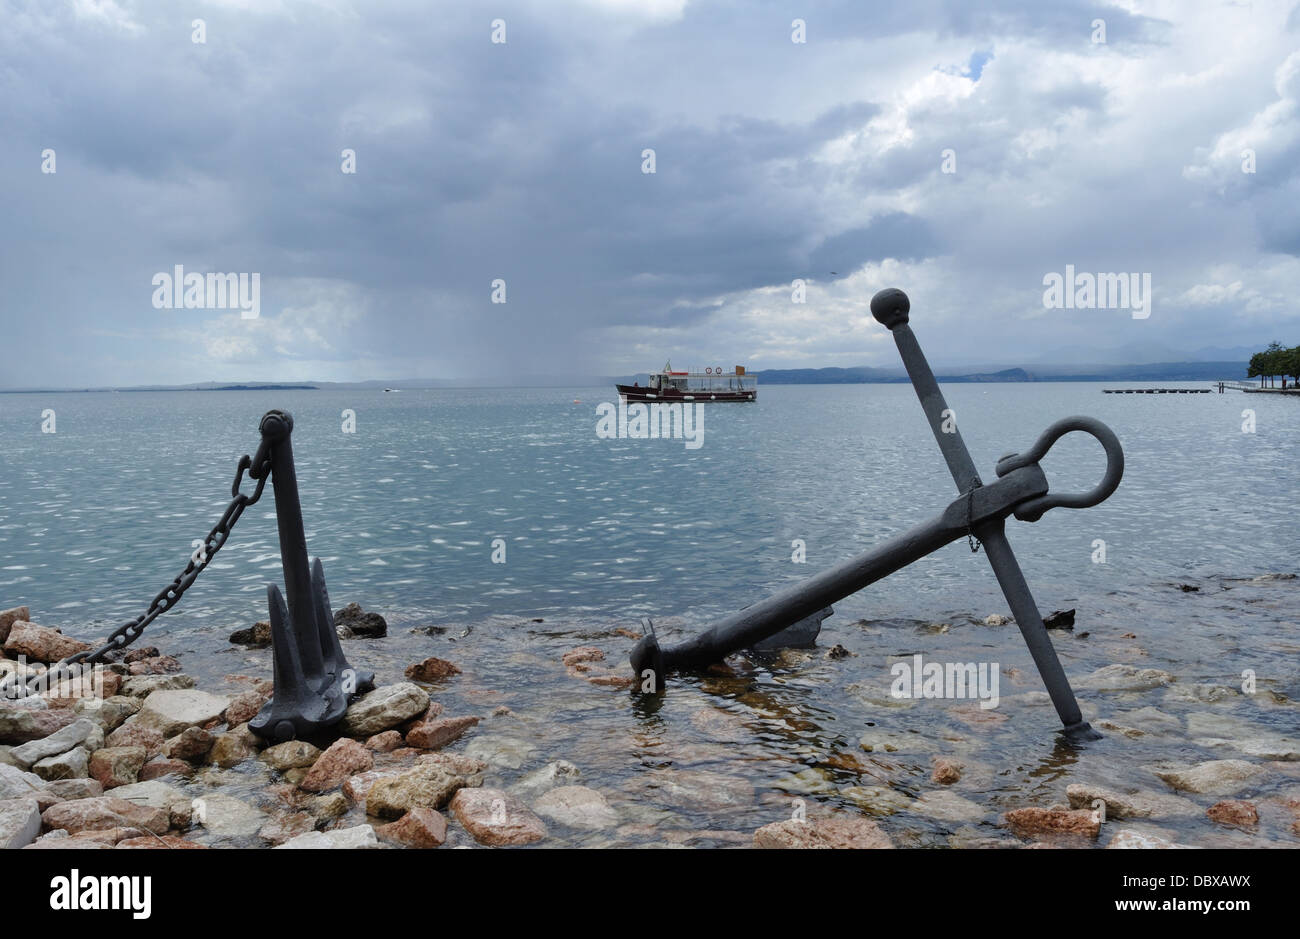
946,770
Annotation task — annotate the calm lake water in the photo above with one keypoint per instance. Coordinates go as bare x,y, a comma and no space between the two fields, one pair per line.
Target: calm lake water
97,517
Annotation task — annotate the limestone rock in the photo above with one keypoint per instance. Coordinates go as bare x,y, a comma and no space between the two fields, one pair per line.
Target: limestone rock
20,822
74,764
344,757
1215,777
21,724
1130,805
117,766
494,817
430,786
171,711
831,831
576,807
104,812
362,836
421,827
384,708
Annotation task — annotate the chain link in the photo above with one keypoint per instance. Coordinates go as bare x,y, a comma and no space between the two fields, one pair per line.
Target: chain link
170,595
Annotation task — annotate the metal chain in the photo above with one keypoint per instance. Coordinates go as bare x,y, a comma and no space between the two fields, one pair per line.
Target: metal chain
170,595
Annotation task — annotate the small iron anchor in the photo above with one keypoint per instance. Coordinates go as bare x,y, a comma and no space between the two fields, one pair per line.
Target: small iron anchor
313,680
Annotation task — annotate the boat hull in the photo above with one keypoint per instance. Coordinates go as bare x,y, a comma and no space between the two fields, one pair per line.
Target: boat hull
672,395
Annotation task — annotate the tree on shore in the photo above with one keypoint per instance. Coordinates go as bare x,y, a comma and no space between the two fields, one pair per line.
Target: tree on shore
1276,360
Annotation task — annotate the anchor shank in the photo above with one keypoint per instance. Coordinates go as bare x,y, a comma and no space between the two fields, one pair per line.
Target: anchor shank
954,449
1003,561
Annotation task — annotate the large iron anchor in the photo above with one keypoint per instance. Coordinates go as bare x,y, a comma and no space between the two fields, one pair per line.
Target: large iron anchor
313,681
980,510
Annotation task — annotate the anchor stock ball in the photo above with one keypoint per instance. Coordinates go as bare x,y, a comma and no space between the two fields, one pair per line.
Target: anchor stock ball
890,307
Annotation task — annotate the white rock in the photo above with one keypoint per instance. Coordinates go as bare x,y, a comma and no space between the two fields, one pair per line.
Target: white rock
18,784
542,779
947,806
362,836
1132,838
171,711
384,708
1215,777
1130,804
1125,678
75,764
152,792
577,807
20,822
79,732
226,817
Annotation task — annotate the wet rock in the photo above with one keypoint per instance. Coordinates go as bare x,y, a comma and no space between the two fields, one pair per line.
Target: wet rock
1120,677
384,708
1130,804
117,766
290,755
79,732
883,741
75,764
192,743
15,614
162,766
1234,812
328,807
582,654
431,735
362,836
494,817
344,757
357,787
1146,720
357,623
41,643
996,619
104,812
1032,822
233,747
831,831
132,734
171,711
878,800
1201,692
502,751
419,828
386,742
20,822
424,785
946,770
837,651
108,713
703,789
576,807
1059,619
155,665
457,763
286,827
227,817
1215,777
19,725
431,669
244,707
1131,838
141,686
555,773
947,806
259,634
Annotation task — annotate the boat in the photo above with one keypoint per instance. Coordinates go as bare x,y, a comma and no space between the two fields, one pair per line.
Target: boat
712,384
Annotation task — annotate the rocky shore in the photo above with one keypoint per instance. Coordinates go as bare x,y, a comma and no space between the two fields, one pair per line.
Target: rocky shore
137,755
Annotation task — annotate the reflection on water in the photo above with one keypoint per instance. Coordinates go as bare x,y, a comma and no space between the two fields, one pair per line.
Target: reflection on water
96,518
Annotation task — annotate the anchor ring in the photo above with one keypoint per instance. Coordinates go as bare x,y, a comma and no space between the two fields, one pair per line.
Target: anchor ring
1033,509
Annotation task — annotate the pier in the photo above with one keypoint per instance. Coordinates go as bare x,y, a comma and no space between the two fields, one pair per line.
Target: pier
1156,391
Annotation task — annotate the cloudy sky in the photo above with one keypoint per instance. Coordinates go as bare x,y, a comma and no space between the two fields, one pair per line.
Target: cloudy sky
522,160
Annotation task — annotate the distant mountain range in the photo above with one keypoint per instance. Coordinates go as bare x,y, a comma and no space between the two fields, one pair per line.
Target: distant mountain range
1214,370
